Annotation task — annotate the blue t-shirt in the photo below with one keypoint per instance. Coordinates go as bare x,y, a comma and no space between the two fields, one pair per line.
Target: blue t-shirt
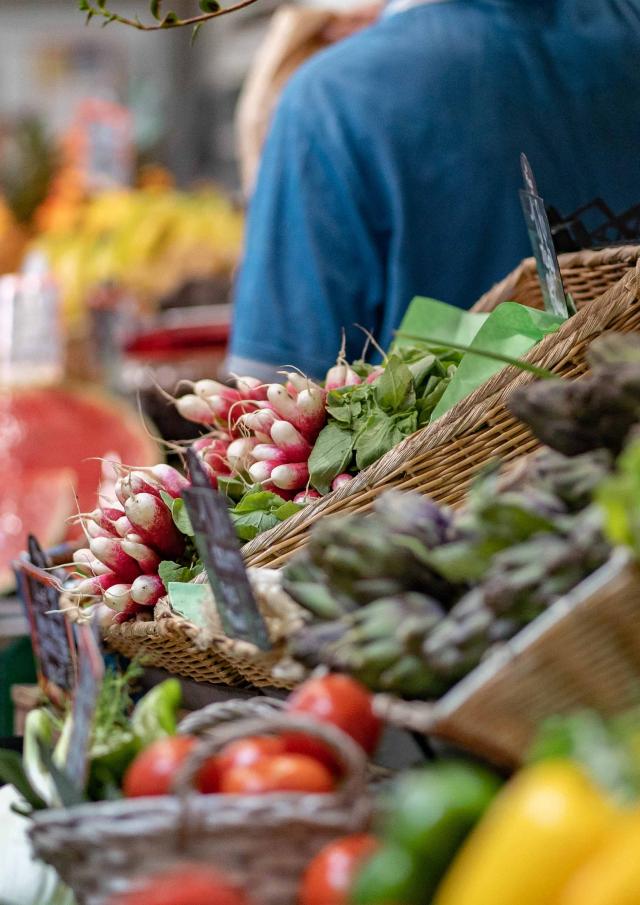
392,165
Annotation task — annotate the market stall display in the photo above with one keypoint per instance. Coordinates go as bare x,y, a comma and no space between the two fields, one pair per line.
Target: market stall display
253,780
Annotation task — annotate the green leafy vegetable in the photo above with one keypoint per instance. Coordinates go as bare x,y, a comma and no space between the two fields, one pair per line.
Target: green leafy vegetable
179,513
258,511
395,387
156,714
619,499
378,435
330,456
173,571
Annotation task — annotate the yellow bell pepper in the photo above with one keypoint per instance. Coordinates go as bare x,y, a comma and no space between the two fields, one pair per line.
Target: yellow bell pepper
547,821
612,875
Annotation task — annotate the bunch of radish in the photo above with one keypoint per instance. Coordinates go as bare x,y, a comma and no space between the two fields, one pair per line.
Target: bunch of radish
261,432
128,538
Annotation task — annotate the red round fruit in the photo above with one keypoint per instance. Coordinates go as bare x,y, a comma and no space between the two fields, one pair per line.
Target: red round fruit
339,700
247,751
329,877
154,769
184,885
282,773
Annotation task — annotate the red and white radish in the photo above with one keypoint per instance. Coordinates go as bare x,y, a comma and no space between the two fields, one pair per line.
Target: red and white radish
204,388
306,496
147,559
261,471
373,376
291,476
341,375
267,452
251,388
118,597
147,590
169,479
123,526
109,551
194,408
340,480
290,441
239,453
96,585
152,520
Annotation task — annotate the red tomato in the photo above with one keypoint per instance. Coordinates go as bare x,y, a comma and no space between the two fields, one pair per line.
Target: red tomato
335,699
153,770
282,773
329,877
184,885
248,751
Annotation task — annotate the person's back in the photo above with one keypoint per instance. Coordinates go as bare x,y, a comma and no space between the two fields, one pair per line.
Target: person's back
393,169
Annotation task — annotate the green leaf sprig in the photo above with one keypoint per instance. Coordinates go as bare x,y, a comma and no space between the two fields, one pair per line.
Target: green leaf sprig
209,9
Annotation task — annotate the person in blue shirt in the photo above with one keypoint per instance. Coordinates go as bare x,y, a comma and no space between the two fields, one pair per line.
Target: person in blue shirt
392,167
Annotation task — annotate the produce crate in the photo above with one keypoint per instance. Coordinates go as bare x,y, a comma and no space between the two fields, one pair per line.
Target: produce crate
584,652
442,458
586,276
262,842
172,644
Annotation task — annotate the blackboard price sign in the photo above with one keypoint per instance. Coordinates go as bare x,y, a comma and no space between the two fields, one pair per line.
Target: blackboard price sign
219,549
541,240
90,676
51,634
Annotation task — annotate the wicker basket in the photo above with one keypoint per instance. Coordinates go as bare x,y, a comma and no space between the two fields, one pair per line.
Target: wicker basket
262,842
169,644
174,644
586,275
583,652
442,458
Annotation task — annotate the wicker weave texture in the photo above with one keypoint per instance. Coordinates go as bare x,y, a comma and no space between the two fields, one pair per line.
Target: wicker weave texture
168,644
442,459
586,275
262,842
583,653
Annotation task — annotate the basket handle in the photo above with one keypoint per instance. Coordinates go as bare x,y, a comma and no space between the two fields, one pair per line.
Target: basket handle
221,712
350,756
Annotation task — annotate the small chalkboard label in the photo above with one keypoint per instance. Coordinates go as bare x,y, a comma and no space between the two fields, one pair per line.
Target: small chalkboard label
51,634
219,550
541,240
90,676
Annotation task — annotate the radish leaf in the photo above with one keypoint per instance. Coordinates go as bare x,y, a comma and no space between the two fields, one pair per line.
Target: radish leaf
394,386
330,456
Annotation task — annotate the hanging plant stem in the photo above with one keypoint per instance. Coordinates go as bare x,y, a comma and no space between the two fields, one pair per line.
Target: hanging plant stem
211,9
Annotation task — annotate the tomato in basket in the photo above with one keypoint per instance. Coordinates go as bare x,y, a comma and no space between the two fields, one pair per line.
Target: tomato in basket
154,769
329,877
247,751
281,773
339,700
189,884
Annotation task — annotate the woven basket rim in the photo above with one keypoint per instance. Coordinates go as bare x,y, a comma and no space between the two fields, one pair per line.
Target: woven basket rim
427,714
563,608
547,353
173,626
586,258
